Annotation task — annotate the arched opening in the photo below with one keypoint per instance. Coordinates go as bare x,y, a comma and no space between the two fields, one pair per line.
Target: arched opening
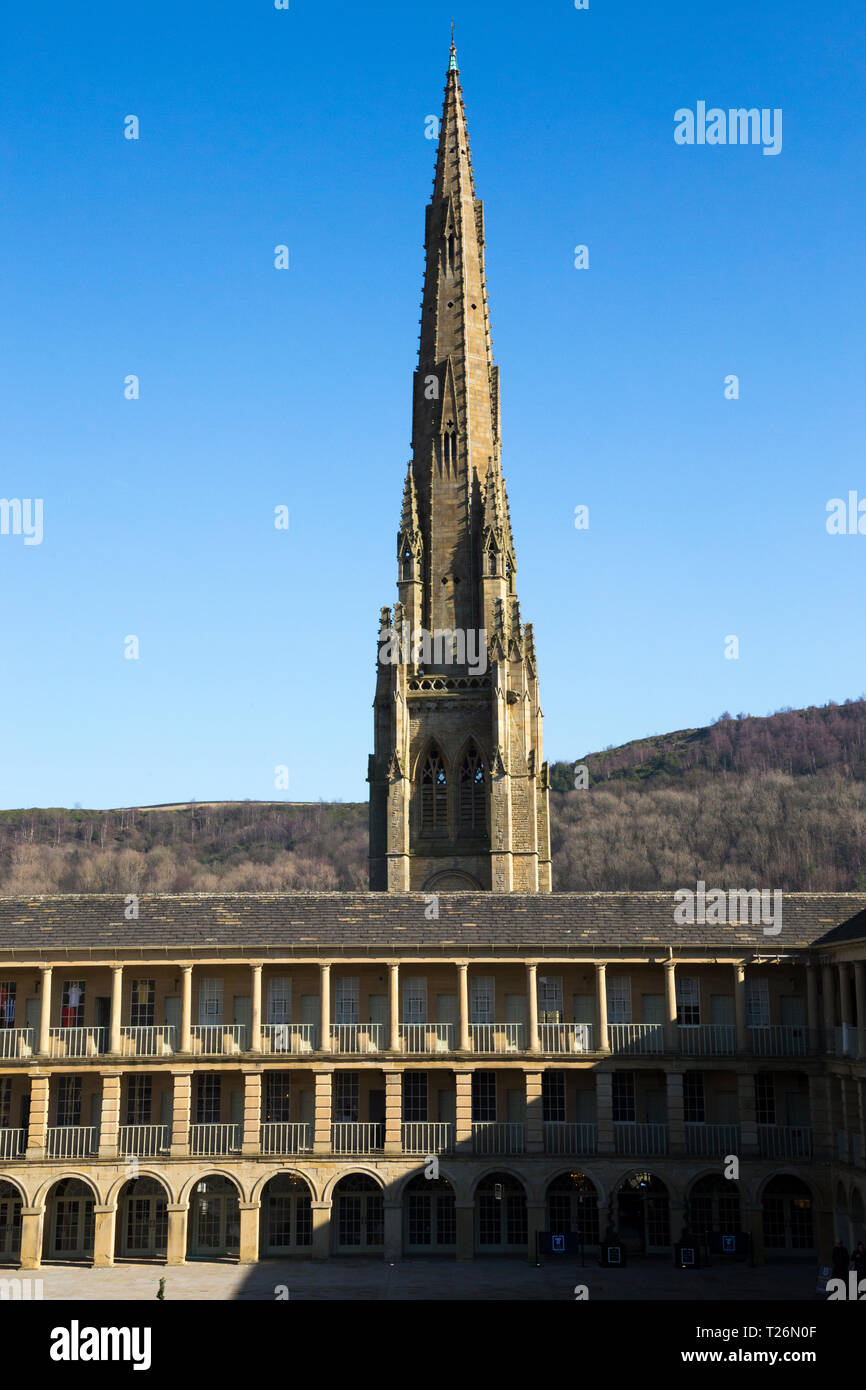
434,793
429,1216
359,1216
788,1218
10,1223
287,1216
500,1215
69,1221
714,1205
214,1220
142,1220
643,1213
572,1206
473,792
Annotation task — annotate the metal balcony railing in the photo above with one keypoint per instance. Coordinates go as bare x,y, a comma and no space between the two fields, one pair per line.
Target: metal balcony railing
779,1040
280,1137
354,1138
563,1138
13,1142
76,1042
16,1042
423,1137
712,1141
498,1137
289,1037
218,1039
427,1037
498,1037
785,1141
71,1141
707,1039
143,1141
566,1037
148,1040
357,1037
206,1141
637,1039
640,1140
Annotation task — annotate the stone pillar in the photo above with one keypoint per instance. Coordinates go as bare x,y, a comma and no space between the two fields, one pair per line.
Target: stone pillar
829,1011
532,996
753,1222
322,1113
820,1114
44,1043
603,1041
32,1224
186,1009
465,1217
321,1229
36,1137
812,1021
325,1010
748,1114
463,1040
115,1015
844,993
676,1114
860,1000
103,1236
671,1038
110,1114
740,1006
604,1112
177,1224
861,1121
463,1114
256,1024
394,1007
536,1220
251,1145
393,1114
250,1221
180,1115
393,1246
534,1114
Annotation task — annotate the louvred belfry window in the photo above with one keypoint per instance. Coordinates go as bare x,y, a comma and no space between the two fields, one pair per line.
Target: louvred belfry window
472,807
434,793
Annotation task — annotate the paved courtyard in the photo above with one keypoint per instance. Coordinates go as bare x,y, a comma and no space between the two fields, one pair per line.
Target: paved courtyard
427,1279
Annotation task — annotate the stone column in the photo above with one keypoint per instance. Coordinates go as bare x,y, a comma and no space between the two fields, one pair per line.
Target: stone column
676,1114
43,1043
393,1114
177,1224
180,1115
393,1246
740,1006
103,1236
748,1114
671,1038
249,1247
532,996
394,1007
820,1114
536,1220
110,1114
186,1010
534,1114
829,1011
322,1111
463,1041
844,1004
604,1112
860,1000
115,1015
36,1132
603,1041
812,1006
463,1114
32,1223
325,1010
753,1222
321,1229
465,1215
251,1145
256,1024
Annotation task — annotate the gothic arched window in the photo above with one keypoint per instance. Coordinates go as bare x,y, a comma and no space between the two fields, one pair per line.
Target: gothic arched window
472,791
434,792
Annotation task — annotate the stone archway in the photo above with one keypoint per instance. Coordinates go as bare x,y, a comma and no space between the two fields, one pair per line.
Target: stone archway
10,1223
214,1219
69,1221
142,1220
286,1221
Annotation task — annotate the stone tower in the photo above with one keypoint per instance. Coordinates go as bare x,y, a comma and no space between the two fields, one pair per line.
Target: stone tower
458,790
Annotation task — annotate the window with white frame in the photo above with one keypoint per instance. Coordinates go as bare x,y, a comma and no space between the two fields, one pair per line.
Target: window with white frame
694,1107
623,1097
757,1004
5,1100
688,1001
142,996
414,1096
280,999
7,1003
619,999
346,999
139,1091
415,999
72,1004
346,1098
482,999
765,1098
483,1097
68,1101
552,1097
550,998
207,1098
278,1097
210,1001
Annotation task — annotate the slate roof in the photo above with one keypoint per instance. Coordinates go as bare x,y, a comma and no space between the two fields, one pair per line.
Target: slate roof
307,923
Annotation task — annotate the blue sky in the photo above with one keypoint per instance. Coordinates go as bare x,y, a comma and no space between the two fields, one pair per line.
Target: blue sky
261,387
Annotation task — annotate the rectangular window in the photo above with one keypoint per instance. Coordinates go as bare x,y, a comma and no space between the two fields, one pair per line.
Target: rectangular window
207,1098
210,1002
694,1109
346,999
482,999
72,1004
280,999
346,1098
552,1096
619,999
138,1099
278,1097
142,998
5,1103
688,1001
623,1097
415,999
550,999
414,1096
765,1099
757,1004
68,1101
7,1003
483,1097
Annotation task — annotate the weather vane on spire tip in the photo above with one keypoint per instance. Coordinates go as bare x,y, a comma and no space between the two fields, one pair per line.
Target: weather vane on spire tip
452,66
